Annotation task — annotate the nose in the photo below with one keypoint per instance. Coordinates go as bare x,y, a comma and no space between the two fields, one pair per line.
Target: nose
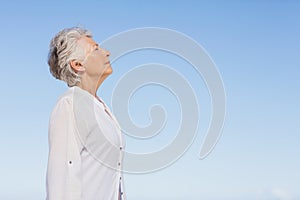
107,53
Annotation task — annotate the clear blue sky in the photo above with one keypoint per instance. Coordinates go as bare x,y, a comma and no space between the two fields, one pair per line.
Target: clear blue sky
256,47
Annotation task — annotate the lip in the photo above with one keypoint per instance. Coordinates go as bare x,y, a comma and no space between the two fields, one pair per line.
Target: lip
108,62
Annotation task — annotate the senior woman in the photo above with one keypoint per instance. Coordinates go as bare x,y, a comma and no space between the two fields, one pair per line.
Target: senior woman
85,141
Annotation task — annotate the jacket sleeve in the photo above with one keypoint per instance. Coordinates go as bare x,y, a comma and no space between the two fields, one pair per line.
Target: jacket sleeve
63,180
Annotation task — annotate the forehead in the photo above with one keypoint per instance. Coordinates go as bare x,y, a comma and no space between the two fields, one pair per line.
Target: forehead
87,42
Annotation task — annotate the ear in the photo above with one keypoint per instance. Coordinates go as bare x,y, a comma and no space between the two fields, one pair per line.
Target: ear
77,66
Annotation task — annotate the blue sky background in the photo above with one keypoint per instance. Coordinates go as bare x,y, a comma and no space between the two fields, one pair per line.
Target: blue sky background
256,47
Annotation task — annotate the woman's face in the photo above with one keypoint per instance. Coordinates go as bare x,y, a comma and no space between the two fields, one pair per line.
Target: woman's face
96,62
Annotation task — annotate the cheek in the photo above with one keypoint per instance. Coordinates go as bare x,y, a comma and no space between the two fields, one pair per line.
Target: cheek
101,59
95,62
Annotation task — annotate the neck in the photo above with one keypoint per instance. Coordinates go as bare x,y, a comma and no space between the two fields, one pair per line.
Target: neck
91,85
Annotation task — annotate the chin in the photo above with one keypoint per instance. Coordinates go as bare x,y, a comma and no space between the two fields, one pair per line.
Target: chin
109,70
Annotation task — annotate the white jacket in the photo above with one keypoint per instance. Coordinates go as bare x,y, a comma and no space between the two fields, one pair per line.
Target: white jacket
85,150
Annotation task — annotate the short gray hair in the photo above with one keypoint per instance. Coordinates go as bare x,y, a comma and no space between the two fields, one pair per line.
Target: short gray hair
63,49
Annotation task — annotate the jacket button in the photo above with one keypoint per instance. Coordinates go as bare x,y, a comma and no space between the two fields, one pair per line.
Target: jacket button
70,162
121,148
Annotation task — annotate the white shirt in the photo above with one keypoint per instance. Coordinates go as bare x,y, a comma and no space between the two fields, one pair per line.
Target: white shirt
85,150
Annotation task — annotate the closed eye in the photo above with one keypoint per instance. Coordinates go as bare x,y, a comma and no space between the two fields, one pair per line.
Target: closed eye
97,47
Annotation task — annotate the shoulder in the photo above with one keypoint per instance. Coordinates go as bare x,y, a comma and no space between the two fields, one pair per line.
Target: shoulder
63,104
